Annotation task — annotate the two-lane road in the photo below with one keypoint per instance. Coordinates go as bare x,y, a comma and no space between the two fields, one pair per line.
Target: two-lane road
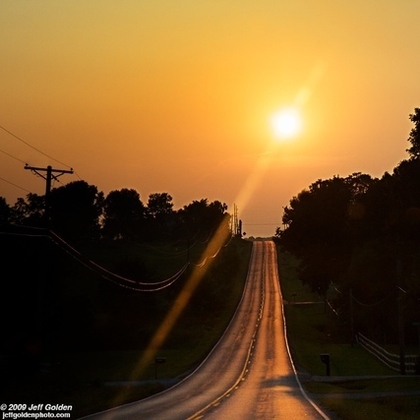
270,389
249,374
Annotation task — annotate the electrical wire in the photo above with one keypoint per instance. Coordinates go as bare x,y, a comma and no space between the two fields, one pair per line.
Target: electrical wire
204,261
102,272
335,288
20,160
9,182
15,185
370,304
32,147
356,300
13,157
146,286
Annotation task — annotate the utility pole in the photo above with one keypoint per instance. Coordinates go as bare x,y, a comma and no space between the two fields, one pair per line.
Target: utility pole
401,293
50,174
234,226
237,223
351,318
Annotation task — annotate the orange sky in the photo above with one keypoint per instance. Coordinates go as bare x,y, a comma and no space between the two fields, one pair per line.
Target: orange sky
176,96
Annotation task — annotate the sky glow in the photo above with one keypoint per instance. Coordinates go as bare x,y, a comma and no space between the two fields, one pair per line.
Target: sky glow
176,97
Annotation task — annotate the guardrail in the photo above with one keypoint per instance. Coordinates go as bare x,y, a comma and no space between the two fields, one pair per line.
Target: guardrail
392,360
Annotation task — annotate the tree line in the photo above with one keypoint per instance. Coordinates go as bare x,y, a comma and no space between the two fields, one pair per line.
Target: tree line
80,212
58,303
359,237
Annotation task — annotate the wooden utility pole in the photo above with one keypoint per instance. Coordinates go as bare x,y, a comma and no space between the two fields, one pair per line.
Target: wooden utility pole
50,174
50,171
401,339
351,318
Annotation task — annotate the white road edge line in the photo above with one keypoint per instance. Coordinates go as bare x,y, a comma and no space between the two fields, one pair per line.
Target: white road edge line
242,375
314,405
113,409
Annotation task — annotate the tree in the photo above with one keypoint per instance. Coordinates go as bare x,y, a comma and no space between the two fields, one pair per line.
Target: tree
75,210
414,138
317,215
123,214
200,219
4,211
29,212
321,223
159,205
406,177
160,216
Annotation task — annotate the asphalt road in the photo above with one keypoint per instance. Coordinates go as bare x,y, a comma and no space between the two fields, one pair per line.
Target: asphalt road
248,375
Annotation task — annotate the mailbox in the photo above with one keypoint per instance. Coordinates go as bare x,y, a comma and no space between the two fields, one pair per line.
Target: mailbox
158,361
325,358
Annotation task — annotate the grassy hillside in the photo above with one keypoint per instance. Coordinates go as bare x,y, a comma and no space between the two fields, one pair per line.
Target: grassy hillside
312,330
78,338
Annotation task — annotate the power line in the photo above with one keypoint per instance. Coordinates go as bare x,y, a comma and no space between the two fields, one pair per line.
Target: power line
75,173
32,147
13,157
134,285
105,274
379,302
17,186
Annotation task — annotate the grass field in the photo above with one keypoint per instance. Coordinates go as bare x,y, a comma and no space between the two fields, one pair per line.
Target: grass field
313,330
92,379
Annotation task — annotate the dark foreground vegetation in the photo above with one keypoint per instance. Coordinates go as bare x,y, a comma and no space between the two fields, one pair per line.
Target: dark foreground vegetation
71,336
88,279
357,239
360,387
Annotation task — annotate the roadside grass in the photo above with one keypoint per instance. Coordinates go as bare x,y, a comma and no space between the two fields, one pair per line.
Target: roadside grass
92,380
158,261
312,330
406,407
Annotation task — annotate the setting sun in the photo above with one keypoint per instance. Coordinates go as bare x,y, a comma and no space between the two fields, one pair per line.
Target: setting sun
286,123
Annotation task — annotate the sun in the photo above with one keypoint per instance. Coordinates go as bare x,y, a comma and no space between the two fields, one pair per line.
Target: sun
286,123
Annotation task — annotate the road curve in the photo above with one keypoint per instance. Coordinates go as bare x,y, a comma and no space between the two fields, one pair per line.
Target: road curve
248,374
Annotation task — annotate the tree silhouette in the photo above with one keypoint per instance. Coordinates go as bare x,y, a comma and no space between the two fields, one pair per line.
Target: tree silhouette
5,211
30,212
200,219
322,222
414,138
75,210
159,205
160,216
123,214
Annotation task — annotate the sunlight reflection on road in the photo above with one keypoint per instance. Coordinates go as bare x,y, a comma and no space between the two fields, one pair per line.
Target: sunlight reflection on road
198,271
219,238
